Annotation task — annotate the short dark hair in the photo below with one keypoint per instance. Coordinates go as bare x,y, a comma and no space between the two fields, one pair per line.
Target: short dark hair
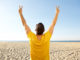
39,28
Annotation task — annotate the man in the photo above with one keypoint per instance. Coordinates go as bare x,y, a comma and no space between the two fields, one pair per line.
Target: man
39,42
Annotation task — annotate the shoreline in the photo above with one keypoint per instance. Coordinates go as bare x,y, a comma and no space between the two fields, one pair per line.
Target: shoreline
50,41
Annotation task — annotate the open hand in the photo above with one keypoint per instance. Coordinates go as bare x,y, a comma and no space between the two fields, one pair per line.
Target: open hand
20,9
57,10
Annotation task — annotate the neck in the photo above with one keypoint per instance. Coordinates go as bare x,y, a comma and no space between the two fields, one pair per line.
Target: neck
39,35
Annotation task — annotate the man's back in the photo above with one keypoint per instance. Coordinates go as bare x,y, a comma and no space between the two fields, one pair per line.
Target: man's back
39,49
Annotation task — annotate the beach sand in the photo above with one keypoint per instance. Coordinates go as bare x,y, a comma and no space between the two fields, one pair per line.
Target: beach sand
58,51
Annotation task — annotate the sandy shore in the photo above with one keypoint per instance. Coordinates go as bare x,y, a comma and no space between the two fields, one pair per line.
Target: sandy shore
58,51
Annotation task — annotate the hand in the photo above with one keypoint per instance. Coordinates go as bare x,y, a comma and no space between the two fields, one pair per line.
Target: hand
20,9
57,10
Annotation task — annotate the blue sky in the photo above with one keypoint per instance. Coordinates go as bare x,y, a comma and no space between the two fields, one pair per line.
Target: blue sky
35,11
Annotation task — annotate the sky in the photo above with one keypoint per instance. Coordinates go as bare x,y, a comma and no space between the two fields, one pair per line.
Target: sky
35,11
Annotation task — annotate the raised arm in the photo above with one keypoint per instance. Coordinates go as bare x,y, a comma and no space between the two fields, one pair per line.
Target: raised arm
23,20
54,21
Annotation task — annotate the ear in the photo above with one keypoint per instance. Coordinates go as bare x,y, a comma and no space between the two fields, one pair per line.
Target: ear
44,29
35,29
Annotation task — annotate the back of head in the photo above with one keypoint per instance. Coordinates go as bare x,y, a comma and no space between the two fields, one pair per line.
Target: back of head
39,29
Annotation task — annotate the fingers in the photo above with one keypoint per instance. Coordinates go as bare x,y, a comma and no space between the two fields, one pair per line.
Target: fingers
20,6
20,9
57,7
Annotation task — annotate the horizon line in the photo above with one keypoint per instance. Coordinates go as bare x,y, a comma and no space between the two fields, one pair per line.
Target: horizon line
50,41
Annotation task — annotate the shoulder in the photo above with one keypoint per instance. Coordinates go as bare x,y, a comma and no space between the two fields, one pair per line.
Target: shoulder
30,34
47,33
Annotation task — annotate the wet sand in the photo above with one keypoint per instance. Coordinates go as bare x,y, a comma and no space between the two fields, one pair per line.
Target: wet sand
58,51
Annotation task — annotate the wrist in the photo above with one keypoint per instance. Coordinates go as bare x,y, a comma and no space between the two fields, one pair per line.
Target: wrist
20,13
57,13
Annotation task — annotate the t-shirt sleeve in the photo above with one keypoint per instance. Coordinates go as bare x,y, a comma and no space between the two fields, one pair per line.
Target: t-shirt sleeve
48,35
30,35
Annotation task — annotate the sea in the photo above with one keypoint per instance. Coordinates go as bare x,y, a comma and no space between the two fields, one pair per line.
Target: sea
50,40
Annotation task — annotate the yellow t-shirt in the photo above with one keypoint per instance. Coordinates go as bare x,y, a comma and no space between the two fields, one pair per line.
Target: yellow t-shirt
39,49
